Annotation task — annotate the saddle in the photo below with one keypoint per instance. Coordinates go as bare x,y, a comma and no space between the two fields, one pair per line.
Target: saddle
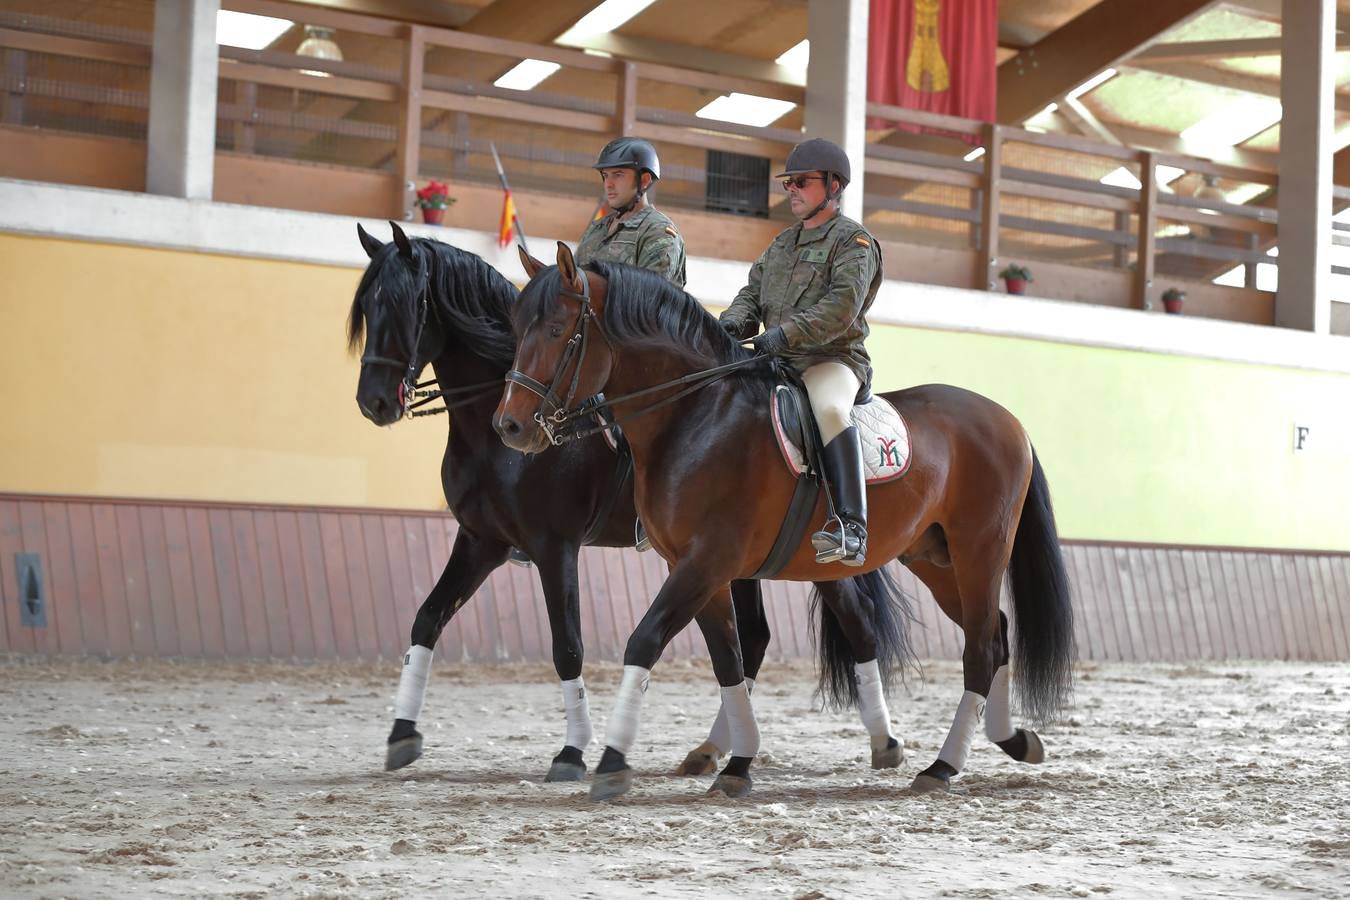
881,432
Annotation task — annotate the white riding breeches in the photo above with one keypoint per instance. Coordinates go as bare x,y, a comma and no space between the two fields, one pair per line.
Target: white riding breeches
832,388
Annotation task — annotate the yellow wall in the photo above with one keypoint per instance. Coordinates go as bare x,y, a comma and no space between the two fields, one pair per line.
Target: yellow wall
152,373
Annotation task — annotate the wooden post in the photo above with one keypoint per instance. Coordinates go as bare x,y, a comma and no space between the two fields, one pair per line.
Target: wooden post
1120,253
1249,269
1148,225
15,65
986,252
461,153
625,103
245,132
410,123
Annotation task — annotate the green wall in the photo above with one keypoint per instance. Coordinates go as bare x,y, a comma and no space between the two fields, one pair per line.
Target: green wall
1154,448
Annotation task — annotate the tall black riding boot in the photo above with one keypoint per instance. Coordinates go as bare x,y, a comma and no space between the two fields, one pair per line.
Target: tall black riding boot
843,468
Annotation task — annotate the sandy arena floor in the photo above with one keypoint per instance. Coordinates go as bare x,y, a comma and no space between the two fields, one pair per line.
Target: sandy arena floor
149,779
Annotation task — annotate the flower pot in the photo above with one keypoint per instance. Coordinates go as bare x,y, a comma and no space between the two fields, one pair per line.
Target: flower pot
1016,285
432,215
1172,306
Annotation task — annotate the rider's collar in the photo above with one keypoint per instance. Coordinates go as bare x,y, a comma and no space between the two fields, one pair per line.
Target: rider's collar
810,235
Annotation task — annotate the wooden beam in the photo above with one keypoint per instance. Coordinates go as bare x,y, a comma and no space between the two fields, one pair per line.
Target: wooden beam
625,101
1102,36
1273,11
986,251
341,87
1148,223
407,156
1087,124
684,56
528,20
517,111
1236,48
103,51
1224,78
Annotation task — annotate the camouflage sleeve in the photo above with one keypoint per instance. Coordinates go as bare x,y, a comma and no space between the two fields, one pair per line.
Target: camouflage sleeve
745,310
662,252
586,246
850,278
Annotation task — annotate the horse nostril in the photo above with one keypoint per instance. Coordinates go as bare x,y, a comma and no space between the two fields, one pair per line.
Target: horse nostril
509,426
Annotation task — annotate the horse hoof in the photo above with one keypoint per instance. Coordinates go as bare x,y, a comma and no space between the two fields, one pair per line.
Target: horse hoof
890,757
927,784
732,785
402,752
1035,749
565,771
697,763
608,785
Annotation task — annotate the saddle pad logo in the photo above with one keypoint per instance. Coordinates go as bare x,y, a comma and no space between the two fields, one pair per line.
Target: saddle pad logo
881,431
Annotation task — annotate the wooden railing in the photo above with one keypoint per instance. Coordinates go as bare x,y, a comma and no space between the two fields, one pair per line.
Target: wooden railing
410,115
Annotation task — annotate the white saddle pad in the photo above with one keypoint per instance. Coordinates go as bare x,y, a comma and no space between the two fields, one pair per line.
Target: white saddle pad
881,432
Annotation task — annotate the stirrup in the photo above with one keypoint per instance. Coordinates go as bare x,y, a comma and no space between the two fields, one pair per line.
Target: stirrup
640,539
833,546
520,558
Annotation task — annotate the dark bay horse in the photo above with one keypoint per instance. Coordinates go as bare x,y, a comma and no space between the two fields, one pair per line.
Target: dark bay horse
973,505
423,301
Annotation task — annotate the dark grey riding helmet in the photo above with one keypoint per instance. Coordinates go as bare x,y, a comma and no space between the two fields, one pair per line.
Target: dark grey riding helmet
630,153
819,155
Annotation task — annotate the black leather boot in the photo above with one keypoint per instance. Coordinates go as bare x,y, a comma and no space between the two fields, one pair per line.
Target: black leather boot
842,460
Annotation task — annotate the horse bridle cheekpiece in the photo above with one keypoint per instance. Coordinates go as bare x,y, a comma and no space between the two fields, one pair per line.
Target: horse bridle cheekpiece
553,413
408,387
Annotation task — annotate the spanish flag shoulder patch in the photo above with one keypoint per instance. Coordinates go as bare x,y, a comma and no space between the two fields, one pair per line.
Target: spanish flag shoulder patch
860,239
670,230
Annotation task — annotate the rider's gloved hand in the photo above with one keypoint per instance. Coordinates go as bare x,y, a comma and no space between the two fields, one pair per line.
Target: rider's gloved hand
771,342
731,328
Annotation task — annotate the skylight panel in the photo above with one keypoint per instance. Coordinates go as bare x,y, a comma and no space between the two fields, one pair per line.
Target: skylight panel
526,74
1095,81
1215,134
796,58
236,29
746,109
608,16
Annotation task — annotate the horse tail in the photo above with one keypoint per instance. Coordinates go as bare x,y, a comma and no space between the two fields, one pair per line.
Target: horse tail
884,609
1042,608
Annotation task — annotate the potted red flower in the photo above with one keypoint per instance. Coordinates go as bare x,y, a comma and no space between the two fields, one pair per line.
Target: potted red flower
1172,298
435,199
1016,278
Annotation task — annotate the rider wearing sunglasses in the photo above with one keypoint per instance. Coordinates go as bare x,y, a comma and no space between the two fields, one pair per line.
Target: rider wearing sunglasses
811,290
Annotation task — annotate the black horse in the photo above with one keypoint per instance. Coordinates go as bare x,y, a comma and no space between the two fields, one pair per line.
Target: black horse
423,301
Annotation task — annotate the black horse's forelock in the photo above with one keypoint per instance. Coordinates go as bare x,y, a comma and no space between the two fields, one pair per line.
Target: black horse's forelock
644,311
469,298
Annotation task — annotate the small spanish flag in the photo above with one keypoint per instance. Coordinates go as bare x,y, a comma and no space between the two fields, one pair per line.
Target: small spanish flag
507,228
600,211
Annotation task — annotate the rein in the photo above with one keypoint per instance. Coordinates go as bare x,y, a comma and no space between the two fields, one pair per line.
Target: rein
553,415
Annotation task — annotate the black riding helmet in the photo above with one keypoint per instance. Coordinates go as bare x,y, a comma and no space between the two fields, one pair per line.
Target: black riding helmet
819,155
630,153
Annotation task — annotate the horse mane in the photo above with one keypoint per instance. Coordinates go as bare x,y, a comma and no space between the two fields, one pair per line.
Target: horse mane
469,298
644,311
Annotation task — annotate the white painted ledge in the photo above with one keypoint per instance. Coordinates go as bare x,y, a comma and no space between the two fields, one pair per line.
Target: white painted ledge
77,213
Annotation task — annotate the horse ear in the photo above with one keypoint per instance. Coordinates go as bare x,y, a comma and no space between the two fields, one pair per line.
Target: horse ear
371,245
531,265
567,267
404,245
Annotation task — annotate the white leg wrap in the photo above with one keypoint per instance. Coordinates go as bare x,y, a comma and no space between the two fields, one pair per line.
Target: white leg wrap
957,746
998,724
876,718
720,734
741,719
412,684
622,727
578,711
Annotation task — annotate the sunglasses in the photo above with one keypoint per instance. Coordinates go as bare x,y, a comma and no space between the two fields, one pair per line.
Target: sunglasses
800,181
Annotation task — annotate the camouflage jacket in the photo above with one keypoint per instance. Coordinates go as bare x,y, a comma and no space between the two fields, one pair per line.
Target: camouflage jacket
647,239
818,283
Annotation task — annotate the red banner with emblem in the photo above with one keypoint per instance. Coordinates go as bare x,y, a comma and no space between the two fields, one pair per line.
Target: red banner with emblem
934,55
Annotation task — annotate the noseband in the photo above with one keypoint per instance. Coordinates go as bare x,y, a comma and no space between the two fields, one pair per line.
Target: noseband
553,411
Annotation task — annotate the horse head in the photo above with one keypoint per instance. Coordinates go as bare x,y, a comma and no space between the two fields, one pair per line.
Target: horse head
562,355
